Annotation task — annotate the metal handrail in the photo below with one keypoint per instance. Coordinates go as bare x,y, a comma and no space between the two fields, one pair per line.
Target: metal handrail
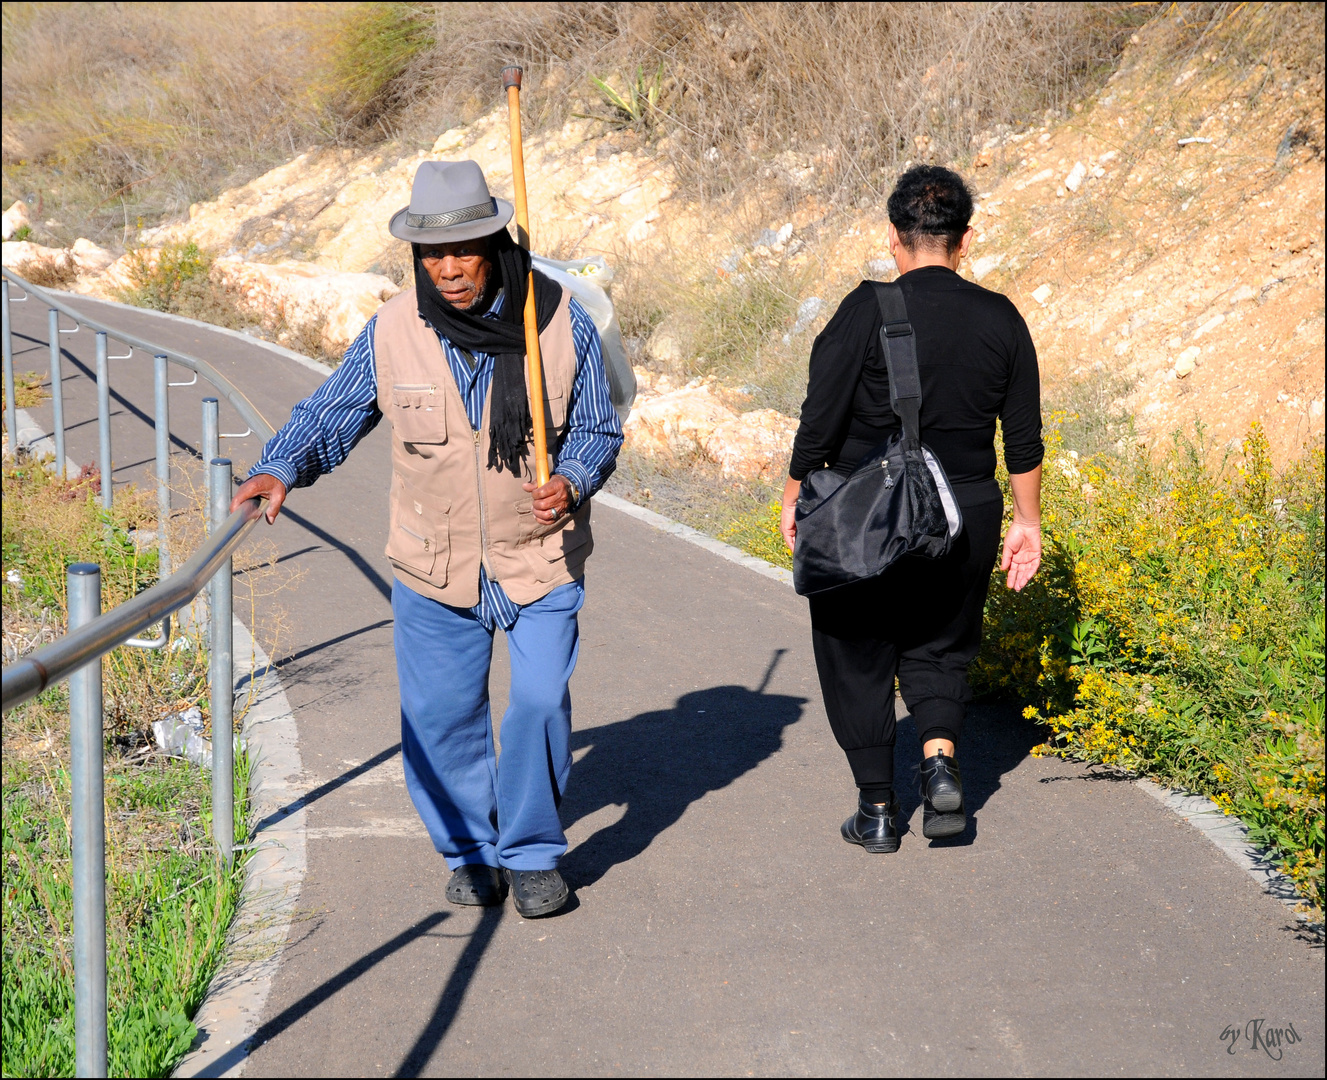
246,408
92,634
28,677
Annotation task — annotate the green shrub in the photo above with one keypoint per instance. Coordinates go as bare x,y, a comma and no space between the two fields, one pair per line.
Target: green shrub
638,106
158,276
1176,631
758,533
177,278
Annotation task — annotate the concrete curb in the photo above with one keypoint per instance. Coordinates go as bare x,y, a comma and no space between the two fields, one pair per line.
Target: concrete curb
280,350
232,1010
30,438
36,443
695,536
1227,832
1231,835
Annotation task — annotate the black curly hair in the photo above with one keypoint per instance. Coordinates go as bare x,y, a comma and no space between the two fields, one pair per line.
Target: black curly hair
930,207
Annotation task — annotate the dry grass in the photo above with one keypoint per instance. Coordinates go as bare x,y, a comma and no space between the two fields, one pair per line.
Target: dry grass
28,389
48,272
692,490
116,112
121,113
849,91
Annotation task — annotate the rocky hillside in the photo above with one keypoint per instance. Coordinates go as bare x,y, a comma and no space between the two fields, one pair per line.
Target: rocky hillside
1164,239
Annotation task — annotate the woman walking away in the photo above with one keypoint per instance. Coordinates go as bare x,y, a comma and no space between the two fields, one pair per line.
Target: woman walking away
920,620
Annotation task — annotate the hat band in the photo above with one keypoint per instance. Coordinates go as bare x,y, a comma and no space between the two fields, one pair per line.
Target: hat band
452,217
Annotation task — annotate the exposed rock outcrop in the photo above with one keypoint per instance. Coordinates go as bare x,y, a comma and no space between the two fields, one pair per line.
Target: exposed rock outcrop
753,446
17,253
14,219
678,423
84,257
306,298
694,421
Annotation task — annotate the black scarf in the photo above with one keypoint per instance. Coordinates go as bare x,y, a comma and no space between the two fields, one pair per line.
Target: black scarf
510,425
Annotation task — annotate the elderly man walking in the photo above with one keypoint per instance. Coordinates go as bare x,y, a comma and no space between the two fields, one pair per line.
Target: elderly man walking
475,545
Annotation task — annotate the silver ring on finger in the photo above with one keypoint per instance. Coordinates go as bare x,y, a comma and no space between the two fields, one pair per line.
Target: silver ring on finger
556,513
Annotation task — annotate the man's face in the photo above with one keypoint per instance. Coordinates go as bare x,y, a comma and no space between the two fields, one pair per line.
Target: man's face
460,270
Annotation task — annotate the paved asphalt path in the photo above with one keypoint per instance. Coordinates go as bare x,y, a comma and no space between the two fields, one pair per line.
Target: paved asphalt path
719,924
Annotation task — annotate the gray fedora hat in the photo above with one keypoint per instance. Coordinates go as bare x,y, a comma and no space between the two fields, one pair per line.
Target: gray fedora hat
449,201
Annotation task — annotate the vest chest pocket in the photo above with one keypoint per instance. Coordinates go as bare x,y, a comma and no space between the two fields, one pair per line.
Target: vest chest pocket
419,538
418,413
555,414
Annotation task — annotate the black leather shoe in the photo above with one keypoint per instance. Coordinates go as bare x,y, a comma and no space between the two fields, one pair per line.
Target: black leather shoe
536,892
942,798
873,826
476,885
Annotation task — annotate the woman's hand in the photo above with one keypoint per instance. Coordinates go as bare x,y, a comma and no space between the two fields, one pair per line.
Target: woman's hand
1022,554
1022,545
788,516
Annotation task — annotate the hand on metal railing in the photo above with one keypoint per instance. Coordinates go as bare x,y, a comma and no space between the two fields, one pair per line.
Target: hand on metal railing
262,486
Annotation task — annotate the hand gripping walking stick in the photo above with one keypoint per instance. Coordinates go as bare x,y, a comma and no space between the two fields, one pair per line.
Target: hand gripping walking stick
511,81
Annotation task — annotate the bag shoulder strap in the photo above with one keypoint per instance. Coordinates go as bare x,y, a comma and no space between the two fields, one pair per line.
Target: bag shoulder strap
900,346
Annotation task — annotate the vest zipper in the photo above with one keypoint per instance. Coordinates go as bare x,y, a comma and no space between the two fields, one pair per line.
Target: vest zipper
483,511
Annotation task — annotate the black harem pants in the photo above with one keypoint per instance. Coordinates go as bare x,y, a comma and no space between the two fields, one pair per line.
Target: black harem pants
920,621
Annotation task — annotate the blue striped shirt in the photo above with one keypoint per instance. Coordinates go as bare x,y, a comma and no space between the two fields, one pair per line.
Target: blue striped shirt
325,426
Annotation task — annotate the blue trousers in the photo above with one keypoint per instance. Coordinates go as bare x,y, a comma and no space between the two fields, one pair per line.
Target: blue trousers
475,809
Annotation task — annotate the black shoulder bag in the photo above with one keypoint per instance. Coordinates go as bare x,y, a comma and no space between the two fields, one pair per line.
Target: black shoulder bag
896,502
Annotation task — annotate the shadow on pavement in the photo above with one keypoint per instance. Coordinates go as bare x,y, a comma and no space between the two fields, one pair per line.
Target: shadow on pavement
281,813
453,994
357,560
129,407
293,1013
658,763
312,649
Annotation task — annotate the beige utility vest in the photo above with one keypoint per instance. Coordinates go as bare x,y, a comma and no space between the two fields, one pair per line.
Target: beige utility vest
449,510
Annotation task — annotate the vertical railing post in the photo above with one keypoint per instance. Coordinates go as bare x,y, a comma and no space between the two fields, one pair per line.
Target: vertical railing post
222,675
211,447
57,390
161,379
11,406
104,421
88,824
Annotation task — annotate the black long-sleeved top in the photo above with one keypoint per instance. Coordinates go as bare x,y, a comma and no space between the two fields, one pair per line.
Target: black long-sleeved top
977,363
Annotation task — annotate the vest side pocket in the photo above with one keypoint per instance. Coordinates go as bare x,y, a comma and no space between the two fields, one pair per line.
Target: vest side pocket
563,546
419,539
419,413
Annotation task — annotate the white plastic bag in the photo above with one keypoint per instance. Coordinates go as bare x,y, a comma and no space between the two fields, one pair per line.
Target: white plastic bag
588,280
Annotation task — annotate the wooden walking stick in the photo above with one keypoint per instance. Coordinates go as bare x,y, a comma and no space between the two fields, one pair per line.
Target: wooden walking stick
511,81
